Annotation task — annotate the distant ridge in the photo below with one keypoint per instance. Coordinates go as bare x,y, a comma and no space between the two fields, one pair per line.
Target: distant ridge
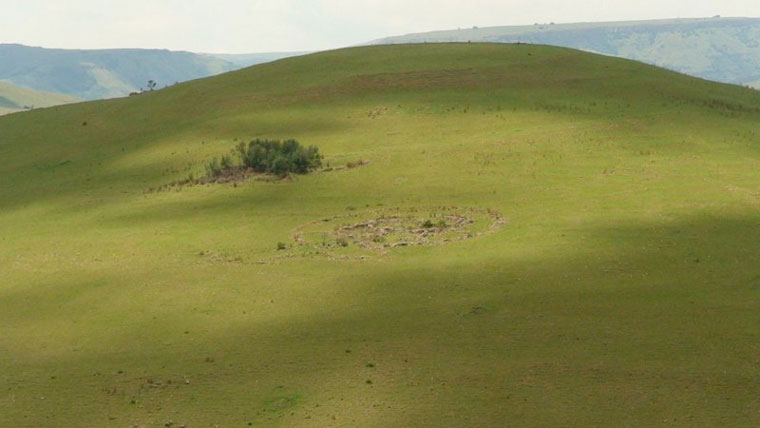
96,74
721,49
247,60
14,99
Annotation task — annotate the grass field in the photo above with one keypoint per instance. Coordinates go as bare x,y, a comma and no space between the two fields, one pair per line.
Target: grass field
620,287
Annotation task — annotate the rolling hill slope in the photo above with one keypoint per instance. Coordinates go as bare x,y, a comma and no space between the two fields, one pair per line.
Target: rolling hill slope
14,99
594,259
720,49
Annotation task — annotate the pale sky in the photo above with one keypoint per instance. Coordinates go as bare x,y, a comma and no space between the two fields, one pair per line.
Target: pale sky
242,26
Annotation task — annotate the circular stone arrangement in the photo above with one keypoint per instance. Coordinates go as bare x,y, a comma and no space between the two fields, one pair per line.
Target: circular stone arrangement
380,230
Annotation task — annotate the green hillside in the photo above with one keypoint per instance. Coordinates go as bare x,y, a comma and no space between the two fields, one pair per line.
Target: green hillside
536,237
14,99
720,49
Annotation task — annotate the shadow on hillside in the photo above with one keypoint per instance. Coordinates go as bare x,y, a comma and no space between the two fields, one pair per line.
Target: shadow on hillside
646,324
107,167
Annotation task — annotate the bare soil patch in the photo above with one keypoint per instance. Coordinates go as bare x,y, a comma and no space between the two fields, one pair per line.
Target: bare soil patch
360,234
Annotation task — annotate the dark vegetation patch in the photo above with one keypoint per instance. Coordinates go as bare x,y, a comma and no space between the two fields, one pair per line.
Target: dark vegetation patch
273,157
269,160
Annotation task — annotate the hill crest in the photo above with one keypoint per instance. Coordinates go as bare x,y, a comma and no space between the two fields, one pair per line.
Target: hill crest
720,49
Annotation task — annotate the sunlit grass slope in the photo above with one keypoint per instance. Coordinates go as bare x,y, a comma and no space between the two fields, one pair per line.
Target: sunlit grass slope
14,98
623,288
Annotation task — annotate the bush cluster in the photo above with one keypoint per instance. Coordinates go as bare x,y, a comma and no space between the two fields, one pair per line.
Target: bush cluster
267,157
279,158
217,167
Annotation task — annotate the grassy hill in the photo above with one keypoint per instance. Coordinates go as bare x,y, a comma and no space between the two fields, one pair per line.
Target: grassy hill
720,49
599,264
14,99
96,74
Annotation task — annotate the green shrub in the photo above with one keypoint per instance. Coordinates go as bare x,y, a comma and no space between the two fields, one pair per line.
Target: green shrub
226,162
213,169
280,158
266,157
280,166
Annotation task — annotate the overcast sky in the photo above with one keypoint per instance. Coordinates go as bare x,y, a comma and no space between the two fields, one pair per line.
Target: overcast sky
240,26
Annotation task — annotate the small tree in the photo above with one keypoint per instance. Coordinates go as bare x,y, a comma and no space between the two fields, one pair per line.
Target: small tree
151,85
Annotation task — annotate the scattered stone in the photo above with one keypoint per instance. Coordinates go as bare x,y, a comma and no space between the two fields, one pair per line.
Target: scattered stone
384,229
